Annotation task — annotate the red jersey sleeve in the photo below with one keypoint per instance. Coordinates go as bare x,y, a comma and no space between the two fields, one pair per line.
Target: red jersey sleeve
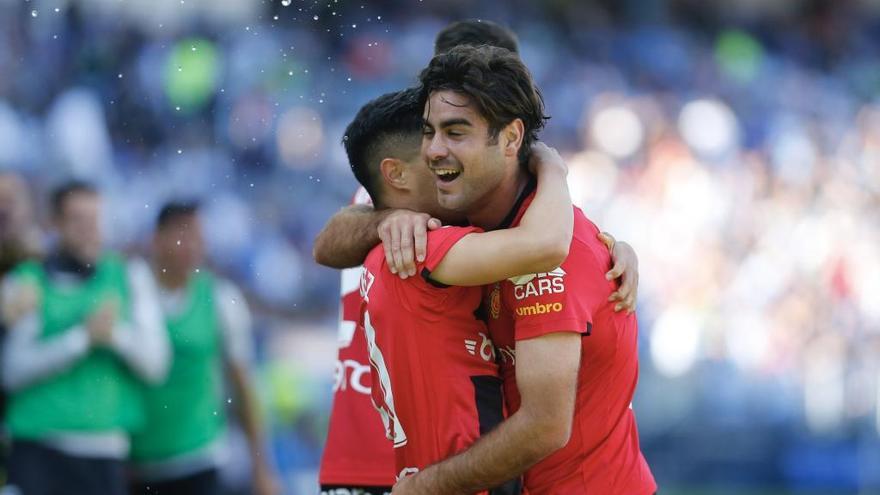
562,300
440,241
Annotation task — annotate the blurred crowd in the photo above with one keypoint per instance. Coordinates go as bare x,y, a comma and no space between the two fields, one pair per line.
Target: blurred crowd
735,145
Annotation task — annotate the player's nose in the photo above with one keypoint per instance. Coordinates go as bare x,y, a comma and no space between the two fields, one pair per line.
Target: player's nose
436,149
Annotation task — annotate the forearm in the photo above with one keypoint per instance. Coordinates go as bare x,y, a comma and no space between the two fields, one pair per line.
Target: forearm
247,410
504,454
549,220
28,359
348,237
143,343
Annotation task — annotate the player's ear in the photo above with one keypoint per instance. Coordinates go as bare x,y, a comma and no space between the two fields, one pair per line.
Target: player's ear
512,137
393,173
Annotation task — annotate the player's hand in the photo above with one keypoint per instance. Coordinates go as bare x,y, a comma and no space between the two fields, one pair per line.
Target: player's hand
265,482
101,323
404,236
23,300
626,268
545,159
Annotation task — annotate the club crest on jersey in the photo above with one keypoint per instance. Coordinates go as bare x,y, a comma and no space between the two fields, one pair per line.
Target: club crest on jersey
538,284
495,302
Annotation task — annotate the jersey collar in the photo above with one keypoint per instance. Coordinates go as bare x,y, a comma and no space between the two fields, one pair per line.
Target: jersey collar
514,212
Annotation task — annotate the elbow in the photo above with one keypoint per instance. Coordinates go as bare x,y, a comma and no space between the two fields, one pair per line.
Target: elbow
323,255
319,252
552,254
550,432
555,436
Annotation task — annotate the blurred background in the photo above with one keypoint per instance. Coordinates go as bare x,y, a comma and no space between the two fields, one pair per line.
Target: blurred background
735,144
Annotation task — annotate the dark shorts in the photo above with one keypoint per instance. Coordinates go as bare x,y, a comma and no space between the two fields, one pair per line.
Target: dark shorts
35,469
205,482
355,490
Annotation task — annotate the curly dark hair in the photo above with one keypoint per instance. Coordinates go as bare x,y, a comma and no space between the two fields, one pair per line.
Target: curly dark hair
388,126
475,32
498,84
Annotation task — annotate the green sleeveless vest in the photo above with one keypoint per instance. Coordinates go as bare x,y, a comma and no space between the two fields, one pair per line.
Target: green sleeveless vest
98,393
187,411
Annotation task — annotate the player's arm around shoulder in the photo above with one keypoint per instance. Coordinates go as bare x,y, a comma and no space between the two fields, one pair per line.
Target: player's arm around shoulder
539,243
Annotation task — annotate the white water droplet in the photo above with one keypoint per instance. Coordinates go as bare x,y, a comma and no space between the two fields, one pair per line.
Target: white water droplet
315,17
33,13
275,18
193,48
354,26
57,9
378,17
229,401
177,108
290,73
286,3
178,242
119,75
179,152
349,79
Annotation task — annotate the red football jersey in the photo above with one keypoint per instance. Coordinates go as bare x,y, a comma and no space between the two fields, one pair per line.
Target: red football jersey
357,452
603,455
436,378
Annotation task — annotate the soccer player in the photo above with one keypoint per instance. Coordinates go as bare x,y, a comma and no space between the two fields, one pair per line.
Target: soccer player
569,361
357,458
436,380
90,337
182,445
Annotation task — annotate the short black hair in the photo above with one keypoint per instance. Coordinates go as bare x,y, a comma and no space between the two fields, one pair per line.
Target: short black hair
67,189
498,84
388,126
475,32
173,210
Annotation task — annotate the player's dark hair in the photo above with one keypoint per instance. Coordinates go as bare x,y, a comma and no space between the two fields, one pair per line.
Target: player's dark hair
65,190
474,33
175,210
389,126
498,84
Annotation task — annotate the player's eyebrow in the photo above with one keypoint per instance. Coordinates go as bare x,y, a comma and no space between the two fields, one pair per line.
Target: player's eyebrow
455,121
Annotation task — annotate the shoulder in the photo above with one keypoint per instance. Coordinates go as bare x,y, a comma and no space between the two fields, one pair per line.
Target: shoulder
444,237
587,251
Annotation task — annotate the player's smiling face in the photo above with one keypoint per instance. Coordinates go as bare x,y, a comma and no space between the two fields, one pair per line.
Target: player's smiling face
467,164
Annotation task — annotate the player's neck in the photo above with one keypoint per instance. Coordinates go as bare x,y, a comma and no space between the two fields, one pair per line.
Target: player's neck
170,279
500,201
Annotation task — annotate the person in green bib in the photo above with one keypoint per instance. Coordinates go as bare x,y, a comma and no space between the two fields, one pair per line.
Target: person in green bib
183,444
77,356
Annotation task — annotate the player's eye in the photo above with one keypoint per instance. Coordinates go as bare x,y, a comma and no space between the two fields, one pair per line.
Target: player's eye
427,131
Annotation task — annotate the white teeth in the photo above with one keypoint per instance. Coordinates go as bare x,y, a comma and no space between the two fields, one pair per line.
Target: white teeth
446,172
